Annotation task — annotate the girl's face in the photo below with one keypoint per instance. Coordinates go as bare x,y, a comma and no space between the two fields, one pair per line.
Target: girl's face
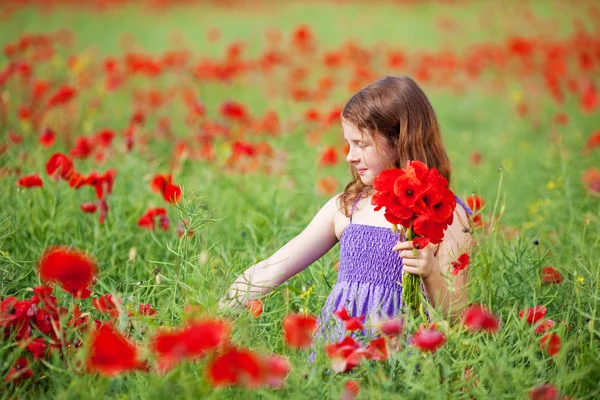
368,156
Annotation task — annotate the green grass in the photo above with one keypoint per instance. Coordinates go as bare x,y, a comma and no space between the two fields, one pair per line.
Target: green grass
530,181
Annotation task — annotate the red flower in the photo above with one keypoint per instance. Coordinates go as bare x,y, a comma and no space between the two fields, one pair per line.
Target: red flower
345,355
275,370
351,390
377,349
146,221
329,157
188,342
235,367
63,95
476,203
351,324
550,343
327,185
61,163
83,147
29,181
545,391
534,314
478,318
163,184
71,268
47,138
255,307
428,339
106,304
460,264
391,327
89,207
147,310
37,348
298,330
111,353
591,180
544,326
234,111
19,371
551,276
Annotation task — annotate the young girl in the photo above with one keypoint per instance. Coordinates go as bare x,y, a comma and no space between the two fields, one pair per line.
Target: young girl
385,124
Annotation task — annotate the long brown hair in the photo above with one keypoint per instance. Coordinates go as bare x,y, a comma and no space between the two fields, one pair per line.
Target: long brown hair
397,109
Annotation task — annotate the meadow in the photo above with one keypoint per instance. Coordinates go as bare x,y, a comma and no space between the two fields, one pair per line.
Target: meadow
232,108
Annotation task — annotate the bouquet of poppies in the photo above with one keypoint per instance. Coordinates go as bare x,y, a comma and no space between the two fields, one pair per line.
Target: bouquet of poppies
418,199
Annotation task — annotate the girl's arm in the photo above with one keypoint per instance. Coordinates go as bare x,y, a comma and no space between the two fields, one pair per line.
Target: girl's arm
445,291
314,241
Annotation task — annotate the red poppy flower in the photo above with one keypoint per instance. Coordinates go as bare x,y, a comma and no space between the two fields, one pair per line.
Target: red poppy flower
544,326
275,369
83,147
460,264
479,318
351,390
377,349
426,227
106,304
19,371
534,314
30,181
163,184
234,111
551,276
591,180
298,330
89,207
329,157
42,291
255,307
146,221
391,327
37,348
235,367
345,355
47,138
351,324
191,341
63,95
545,391
408,188
551,343
60,163
147,310
428,339
327,186
476,203
110,353
72,269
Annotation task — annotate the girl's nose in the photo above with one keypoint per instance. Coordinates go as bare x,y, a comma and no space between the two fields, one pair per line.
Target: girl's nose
351,157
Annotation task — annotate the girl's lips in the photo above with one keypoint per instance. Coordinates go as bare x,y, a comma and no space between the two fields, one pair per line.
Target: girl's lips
361,170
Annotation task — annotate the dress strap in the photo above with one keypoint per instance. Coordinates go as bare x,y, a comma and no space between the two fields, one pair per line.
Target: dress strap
467,209
354,205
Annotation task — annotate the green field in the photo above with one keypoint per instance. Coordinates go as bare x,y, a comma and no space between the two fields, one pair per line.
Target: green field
539,210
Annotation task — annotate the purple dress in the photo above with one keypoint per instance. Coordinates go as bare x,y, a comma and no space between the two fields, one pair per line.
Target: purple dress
369,278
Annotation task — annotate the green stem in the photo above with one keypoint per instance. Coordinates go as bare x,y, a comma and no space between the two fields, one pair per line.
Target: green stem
411,293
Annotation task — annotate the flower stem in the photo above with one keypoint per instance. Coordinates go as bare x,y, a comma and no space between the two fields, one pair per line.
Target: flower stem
411,298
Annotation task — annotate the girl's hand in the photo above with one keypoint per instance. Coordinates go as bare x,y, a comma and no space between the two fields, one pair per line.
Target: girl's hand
424,263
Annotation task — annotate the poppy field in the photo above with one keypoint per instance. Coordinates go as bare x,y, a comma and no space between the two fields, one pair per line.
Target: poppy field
152,151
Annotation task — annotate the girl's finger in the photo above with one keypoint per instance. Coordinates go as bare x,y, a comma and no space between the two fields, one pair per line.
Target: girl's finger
404,245
413,270
408,254
411,262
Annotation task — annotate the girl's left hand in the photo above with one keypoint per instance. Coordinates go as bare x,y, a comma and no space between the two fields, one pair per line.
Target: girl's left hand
424,263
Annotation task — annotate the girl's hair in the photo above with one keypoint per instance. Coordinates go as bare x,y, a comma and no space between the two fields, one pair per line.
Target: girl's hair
397,109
